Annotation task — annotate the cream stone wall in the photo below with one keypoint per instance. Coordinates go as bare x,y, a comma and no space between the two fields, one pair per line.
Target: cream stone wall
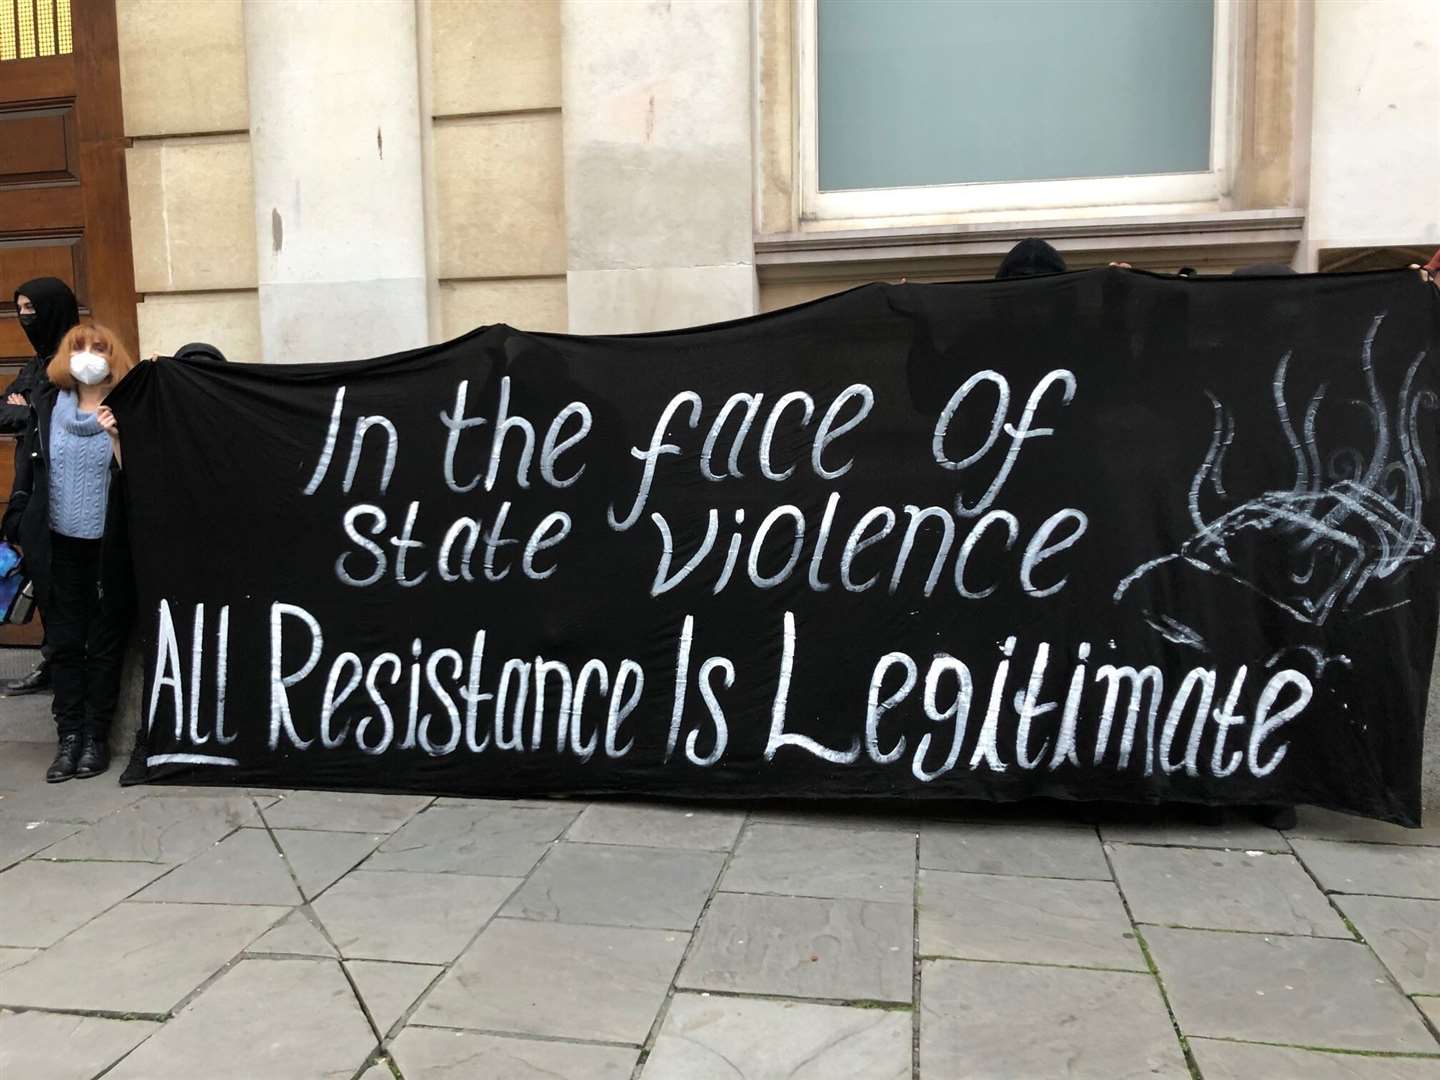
499,188
658,163
192,214
191,190
228,320
182,66
497,163
495,55
533,304
1375,126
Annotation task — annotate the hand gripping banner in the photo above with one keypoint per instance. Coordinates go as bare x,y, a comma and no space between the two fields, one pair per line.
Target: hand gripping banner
1097,536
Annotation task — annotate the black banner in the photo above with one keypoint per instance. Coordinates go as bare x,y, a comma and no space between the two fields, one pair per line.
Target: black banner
1097,536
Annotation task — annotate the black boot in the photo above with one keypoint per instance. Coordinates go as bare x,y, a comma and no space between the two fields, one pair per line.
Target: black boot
67,757
36,681
94,756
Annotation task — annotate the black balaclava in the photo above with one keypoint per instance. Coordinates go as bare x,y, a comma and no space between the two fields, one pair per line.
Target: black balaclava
55,313
199,350
1031,257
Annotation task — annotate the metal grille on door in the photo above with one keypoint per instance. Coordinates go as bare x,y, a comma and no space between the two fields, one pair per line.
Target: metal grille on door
34,28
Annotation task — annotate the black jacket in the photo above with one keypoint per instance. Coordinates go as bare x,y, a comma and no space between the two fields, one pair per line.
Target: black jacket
56,311
15,418
27,517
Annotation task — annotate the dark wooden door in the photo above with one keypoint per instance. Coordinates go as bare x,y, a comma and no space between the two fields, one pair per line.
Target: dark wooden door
64,211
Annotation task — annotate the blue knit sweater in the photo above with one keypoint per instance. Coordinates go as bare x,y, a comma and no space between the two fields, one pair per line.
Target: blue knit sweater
79,470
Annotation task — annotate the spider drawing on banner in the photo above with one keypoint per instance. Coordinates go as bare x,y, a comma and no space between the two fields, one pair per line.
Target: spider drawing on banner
1349,520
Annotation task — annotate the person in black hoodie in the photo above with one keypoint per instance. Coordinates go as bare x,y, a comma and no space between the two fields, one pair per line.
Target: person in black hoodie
66,514
47,310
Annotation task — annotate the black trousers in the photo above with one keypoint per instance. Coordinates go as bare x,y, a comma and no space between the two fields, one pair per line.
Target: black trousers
85,629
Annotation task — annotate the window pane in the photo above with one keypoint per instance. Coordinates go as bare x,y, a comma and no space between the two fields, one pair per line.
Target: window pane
916,92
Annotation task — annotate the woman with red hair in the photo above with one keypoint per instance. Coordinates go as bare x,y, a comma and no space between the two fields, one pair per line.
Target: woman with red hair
65,513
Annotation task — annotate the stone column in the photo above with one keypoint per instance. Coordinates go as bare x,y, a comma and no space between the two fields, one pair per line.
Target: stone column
1375,129
658,164
335,135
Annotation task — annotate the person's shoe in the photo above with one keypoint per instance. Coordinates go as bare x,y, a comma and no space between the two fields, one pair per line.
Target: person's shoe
1275,817
36,681
94,757
67,758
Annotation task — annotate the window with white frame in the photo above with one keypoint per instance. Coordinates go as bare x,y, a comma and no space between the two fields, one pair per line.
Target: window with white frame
925,107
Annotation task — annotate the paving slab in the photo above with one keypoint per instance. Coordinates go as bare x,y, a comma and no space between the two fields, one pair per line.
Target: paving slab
79,801
711,1038
608,885
278,1019
798,860
54,1046
1316,992
162,830
1316,824
1430,1006
19,838
838,816
1177,832
578,982
1026,920
1405,934
263,798
662,825
319,859
847,950
23,764
1223,890
388,989
486,839
1372,869
244,868
419,918
1059,851
136,958
542,802
437,1054
41,902
27,720
335,811
12,958
1250,1061
296,935
1017,1022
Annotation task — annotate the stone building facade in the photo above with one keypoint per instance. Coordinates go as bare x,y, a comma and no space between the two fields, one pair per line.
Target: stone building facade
322,179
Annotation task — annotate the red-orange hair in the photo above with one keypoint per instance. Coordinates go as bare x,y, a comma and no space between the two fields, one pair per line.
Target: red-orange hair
94,338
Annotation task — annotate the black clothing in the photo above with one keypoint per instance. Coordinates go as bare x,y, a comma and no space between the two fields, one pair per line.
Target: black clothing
1031,257
13,417
56,311
87,627
199,350
94,755
67,757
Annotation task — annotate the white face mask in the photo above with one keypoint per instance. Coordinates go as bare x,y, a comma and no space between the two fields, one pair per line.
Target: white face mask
90,368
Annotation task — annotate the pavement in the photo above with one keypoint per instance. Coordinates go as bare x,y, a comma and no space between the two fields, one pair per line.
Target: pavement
179,933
